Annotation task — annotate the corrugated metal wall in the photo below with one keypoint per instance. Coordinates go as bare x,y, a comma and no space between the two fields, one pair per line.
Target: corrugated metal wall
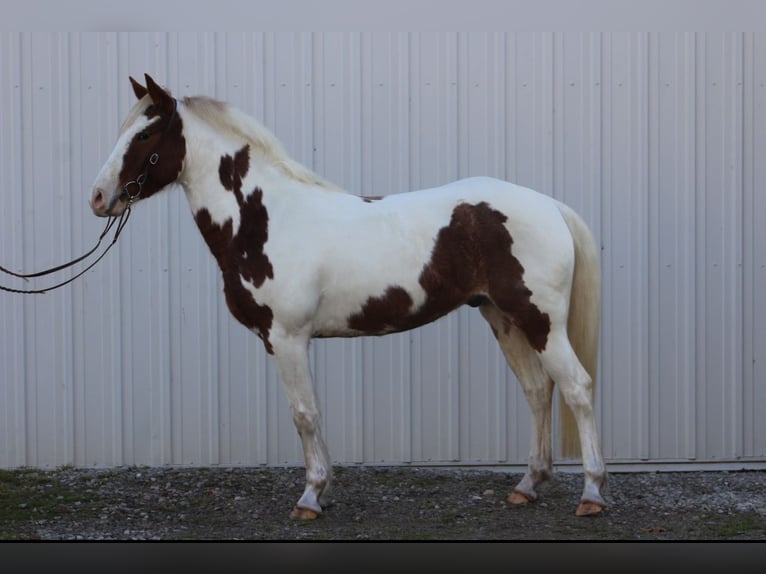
658,140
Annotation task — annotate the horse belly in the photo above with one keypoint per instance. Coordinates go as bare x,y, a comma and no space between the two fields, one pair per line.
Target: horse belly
392,294
393,310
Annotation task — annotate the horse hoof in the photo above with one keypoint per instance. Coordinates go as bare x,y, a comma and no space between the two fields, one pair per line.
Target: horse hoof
517,498
589,509
299,513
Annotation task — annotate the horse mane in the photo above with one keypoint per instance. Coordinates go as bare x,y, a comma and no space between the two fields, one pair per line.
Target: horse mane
234,121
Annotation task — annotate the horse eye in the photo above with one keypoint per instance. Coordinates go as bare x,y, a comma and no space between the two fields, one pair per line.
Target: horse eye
143,136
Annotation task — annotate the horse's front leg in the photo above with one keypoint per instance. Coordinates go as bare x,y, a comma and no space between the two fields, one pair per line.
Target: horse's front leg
291,354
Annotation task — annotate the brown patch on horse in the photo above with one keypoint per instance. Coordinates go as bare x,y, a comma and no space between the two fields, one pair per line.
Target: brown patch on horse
253,233
241,258
471,261
254,264
232,170
165,138
381,314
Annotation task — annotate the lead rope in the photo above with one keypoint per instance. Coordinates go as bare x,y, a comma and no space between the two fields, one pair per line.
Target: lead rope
121,221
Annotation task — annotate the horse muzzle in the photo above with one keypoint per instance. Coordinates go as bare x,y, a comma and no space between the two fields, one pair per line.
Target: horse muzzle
104,204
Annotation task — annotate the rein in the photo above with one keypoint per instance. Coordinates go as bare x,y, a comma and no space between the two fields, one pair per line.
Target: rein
121,221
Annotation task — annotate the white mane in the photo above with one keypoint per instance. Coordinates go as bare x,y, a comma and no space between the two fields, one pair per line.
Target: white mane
230,119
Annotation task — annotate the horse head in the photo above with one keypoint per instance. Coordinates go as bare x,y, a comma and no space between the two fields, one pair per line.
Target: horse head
149,153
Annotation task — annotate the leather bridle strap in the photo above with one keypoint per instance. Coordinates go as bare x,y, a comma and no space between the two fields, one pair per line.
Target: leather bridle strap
109,225
121,221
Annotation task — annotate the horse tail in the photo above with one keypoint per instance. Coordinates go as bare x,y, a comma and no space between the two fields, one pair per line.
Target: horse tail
583,320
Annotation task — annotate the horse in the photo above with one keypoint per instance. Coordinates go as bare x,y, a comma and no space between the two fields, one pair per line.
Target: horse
301,259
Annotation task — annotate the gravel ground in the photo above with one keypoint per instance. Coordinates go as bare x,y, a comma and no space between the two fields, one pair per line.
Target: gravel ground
372,503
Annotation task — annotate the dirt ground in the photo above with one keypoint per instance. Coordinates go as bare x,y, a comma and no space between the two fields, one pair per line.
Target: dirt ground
372,503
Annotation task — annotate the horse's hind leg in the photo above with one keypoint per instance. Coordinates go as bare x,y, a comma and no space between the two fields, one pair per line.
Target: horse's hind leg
560,362
538,389
292,359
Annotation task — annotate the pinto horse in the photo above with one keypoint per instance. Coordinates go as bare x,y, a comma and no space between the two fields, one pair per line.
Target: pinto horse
301,258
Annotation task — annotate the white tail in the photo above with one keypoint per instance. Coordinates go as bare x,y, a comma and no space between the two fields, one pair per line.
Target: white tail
584,318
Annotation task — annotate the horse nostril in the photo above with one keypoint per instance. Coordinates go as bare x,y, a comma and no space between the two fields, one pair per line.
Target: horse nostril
97,202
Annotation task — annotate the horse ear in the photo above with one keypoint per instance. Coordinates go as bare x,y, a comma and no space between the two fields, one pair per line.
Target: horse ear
160,97
138,89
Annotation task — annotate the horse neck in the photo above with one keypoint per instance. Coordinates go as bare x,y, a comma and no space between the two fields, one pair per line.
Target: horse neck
222,170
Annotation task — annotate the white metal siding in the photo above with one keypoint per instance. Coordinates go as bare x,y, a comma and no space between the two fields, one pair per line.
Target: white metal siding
658,140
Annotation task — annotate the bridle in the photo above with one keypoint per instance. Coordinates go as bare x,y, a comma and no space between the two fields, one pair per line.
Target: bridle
139,182
120,220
